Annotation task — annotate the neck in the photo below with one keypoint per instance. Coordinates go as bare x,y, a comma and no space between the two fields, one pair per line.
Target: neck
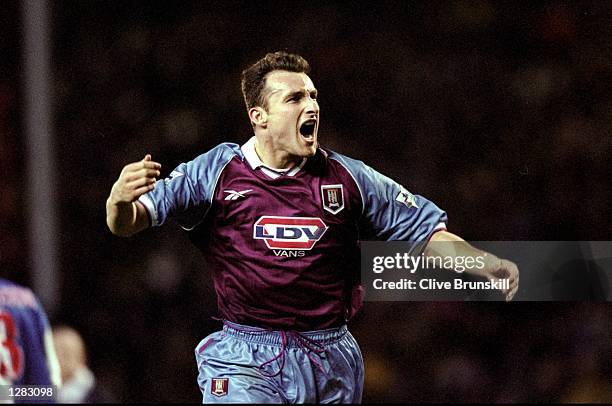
273,158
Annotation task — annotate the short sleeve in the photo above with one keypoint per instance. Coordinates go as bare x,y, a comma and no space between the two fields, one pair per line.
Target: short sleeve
390,211
187,193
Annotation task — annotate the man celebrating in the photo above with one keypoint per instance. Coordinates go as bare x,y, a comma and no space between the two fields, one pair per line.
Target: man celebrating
279,220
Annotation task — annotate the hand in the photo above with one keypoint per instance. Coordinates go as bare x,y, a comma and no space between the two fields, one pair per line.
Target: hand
135,180
504,269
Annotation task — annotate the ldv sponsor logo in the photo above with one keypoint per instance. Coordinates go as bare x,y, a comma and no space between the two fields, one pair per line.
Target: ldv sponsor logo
289,233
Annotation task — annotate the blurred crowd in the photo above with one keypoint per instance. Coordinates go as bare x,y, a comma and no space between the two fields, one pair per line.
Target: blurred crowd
498,112
452,352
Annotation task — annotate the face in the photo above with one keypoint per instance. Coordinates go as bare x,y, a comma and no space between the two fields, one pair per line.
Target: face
292,115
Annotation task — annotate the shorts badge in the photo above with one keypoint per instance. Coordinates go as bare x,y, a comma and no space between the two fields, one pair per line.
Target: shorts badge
219,386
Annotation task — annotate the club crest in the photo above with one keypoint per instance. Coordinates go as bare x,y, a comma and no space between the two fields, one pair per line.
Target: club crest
219,386
332,197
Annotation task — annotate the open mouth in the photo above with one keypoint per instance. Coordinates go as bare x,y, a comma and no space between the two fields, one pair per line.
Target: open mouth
307,128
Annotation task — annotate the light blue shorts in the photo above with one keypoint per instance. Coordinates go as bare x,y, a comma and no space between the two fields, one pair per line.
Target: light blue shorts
243,364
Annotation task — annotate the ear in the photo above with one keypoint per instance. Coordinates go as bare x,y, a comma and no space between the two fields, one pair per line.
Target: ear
258,116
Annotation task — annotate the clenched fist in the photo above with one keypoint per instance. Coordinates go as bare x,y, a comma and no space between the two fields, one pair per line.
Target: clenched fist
503,269
135,180
124,216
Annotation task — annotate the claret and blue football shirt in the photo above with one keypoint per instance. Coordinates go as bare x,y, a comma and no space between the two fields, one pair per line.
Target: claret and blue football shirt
282,246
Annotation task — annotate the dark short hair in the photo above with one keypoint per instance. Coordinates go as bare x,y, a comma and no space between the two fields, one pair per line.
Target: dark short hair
254,77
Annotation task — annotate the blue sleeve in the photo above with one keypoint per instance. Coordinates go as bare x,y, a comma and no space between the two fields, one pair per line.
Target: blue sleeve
41,361
187,193
390,212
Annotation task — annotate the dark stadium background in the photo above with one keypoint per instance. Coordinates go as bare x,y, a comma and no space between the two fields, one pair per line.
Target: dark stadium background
499,112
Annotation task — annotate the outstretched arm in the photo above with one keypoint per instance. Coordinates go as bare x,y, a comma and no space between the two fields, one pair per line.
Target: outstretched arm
494,268
124,215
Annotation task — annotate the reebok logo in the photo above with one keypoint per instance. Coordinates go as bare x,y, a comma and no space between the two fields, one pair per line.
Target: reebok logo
235,195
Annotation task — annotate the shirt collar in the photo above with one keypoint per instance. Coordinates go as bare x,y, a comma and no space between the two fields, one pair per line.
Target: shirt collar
248,149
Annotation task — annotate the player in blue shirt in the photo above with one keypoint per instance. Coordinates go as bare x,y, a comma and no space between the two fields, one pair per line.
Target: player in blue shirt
279,220
27,354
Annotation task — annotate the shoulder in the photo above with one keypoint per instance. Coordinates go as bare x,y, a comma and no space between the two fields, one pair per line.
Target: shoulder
9,291
355,167
209,164
14,295
221,153
345,161
361,173
5,284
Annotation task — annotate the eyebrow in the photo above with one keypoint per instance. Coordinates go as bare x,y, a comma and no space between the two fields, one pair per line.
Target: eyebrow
301,92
